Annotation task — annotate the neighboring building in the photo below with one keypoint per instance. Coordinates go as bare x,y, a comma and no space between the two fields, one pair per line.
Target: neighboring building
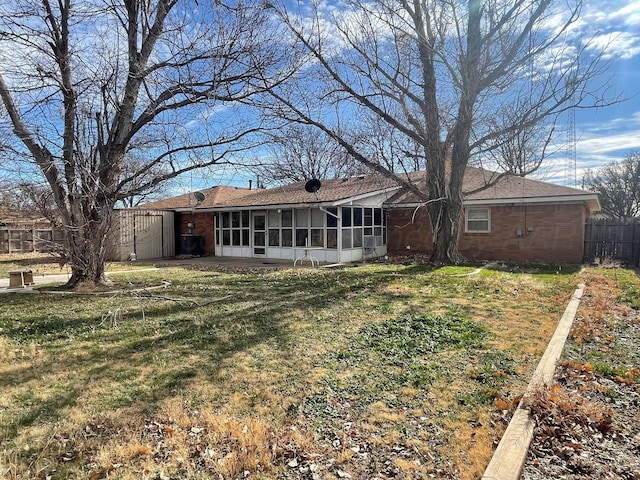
22,232
369,216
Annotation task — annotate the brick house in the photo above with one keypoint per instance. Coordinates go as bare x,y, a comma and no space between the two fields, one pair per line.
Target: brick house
350,219
515,218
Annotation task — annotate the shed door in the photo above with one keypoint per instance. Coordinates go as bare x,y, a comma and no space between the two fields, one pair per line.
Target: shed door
147,236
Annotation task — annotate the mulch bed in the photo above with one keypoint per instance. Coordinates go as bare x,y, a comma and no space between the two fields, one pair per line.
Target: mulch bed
588,423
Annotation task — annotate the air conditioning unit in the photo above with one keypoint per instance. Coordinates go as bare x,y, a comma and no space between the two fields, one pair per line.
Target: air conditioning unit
370,241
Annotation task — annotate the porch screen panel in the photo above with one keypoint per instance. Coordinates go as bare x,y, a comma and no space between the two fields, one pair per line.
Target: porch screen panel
332,238
287,237
234,227
245,228
346,238
274,237
317,237
332,220
274,228
357,238
332,228
317,217
286,220
357,217
358,222
302,235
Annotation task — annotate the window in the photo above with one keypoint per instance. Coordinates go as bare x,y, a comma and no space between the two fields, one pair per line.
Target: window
357,217
359,222
478,220
234,227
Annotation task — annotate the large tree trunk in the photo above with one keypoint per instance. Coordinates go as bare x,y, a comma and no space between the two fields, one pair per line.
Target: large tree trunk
444,217
86,250
444,175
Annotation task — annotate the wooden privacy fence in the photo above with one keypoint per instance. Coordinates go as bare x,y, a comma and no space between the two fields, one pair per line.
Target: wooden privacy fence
612,239
25,238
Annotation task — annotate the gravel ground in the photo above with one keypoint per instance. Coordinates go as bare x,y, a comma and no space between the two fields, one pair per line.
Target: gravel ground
588,424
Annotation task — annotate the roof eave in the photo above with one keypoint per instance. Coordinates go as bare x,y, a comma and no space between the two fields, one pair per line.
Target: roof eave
356,198
591,200
312,203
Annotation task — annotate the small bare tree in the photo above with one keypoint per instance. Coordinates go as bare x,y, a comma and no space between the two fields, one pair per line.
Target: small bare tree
88,84
618,185
300,152
445,81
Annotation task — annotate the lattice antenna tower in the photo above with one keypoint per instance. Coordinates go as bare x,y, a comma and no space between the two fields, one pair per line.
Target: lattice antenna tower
570,168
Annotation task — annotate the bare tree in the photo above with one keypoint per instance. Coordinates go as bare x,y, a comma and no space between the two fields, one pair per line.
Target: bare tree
88,84
618,185
141,186
300,152
9,200
445,80
27,197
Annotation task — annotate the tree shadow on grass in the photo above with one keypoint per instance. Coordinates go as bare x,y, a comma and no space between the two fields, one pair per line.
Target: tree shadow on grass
39,410
143,362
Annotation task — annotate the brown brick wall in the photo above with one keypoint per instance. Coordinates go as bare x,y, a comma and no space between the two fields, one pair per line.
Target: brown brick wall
550,233
407,234
204,226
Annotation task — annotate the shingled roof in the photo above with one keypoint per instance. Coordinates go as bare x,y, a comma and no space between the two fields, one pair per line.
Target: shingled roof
8,216
482,186
212,197
501,189
331,191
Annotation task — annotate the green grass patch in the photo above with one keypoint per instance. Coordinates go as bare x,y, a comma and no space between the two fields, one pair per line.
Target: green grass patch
631,296
415,335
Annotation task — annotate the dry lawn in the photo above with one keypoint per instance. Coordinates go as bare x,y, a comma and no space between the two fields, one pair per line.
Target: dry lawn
272,374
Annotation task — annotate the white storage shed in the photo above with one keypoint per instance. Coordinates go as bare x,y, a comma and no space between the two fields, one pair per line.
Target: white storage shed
142,234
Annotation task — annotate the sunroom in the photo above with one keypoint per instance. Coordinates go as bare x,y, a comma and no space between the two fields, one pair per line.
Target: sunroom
341,221
332,234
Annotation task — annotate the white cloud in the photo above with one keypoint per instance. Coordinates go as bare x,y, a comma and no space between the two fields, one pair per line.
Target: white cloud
598,144
611,25
622,45
605,144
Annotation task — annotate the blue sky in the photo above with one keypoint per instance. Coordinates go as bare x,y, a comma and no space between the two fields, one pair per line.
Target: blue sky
602,136
607,134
